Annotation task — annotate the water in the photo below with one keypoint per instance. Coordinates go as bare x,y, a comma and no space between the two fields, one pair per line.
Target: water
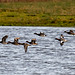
46,58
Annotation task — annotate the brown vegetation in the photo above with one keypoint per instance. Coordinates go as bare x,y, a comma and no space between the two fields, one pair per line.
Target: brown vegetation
31,0
20,0
33,13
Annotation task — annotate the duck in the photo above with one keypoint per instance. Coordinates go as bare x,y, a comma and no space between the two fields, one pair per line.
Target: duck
33,42
15,41
61,39
40,34
4,40
71,32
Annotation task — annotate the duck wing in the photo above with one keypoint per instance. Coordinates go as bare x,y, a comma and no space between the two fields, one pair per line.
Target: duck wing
25,47
4,39
58,39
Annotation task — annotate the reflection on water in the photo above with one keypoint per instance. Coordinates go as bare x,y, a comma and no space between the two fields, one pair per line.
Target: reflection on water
46,58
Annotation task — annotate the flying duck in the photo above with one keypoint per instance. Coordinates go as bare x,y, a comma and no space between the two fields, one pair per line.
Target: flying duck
15,41
40,34
61,39
33,42
71,32
4,40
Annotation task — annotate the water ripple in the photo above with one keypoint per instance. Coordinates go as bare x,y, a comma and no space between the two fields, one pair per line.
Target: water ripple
46,58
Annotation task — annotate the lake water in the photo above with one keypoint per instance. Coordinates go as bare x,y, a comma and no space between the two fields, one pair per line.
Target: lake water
46,58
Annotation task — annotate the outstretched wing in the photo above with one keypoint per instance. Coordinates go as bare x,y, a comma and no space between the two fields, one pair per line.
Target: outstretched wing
4,38
25,47
58,39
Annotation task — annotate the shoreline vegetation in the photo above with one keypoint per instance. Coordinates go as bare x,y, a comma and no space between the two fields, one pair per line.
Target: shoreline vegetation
56,13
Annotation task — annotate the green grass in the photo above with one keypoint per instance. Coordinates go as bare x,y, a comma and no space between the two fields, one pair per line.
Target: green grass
60,13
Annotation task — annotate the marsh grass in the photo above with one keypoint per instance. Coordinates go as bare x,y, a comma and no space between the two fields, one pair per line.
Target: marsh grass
49,7
49,13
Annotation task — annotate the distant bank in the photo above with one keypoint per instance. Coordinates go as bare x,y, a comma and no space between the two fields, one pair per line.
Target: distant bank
38,13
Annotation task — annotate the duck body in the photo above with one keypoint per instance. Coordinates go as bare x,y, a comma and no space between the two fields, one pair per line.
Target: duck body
64,40
15,41
40,34
33,42
71,32
61,39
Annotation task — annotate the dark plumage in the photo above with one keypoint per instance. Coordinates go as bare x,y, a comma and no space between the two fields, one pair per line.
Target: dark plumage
40,34
33,42
61,39
15,41
4,40
58,39
71,32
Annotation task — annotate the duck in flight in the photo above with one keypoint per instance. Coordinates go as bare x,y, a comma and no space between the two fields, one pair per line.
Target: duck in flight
4,40
40,34
61,39
15,41
71,32
33,42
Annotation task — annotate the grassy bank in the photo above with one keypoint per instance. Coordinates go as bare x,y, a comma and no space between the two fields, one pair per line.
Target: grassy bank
59,13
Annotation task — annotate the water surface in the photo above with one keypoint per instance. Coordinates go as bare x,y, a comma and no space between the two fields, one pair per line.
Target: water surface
46,58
